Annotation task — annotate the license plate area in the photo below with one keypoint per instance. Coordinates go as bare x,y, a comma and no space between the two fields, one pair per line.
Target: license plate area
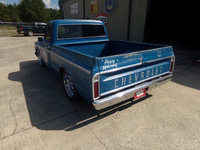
140,93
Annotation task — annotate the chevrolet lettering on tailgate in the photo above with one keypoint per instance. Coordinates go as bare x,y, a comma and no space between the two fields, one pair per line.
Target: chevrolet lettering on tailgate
137,77
131,78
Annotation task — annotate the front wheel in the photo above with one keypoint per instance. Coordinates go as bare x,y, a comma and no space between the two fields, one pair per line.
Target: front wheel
70,89
40,60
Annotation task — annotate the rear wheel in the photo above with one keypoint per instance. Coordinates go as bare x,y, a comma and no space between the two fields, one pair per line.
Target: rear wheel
70,89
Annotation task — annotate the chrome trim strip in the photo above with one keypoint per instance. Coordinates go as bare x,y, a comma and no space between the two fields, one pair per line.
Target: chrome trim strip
73,64
133,72
128,94
142,51
79,67
155,49
158,59
115,90
126,67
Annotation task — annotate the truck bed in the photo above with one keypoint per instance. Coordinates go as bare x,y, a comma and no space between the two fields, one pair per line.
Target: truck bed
124,64
109,48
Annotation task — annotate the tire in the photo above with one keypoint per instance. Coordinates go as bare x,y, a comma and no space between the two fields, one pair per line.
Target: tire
40,60
70,89
30,33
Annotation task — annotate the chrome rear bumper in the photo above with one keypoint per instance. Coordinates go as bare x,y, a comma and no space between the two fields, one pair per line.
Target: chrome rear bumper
127,94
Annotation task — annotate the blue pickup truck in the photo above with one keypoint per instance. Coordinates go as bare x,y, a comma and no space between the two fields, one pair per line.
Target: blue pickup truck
103,71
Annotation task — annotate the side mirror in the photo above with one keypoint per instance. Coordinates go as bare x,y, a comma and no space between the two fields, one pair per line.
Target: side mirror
40,39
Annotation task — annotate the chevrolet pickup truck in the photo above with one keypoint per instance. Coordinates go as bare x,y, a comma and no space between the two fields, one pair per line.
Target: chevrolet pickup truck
103,71
35,27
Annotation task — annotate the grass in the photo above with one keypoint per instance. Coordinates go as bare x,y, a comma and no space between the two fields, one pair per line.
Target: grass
8,27
8,31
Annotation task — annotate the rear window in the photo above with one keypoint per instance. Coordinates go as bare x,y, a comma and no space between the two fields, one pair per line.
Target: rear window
76,31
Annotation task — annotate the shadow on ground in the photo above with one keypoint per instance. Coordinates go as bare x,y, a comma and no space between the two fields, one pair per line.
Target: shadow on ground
47,103
49,108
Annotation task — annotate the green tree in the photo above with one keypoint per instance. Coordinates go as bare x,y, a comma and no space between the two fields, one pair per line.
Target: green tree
13,13
4,13
31,10
53,14
28,11
9,13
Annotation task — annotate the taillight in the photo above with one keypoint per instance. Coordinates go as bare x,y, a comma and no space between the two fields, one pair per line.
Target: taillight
96,92
21,28
96,89
172,64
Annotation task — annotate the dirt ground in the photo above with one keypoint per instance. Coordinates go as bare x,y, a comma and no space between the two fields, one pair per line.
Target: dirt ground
36,114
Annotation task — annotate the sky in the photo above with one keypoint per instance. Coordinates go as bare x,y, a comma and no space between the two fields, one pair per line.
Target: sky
49,3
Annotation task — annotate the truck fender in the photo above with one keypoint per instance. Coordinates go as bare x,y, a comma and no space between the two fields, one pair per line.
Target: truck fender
31,29
62,69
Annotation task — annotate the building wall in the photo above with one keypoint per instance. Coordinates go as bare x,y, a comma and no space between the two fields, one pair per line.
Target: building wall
117,21
137,22
67,9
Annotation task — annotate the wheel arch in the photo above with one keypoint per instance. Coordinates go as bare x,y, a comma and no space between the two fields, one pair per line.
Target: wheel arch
29,29
61,71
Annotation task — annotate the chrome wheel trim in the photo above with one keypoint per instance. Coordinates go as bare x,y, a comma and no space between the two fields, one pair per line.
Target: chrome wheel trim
69,86
30,33
40,61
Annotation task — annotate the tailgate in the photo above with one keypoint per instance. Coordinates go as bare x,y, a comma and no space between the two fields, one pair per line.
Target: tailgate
127,70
